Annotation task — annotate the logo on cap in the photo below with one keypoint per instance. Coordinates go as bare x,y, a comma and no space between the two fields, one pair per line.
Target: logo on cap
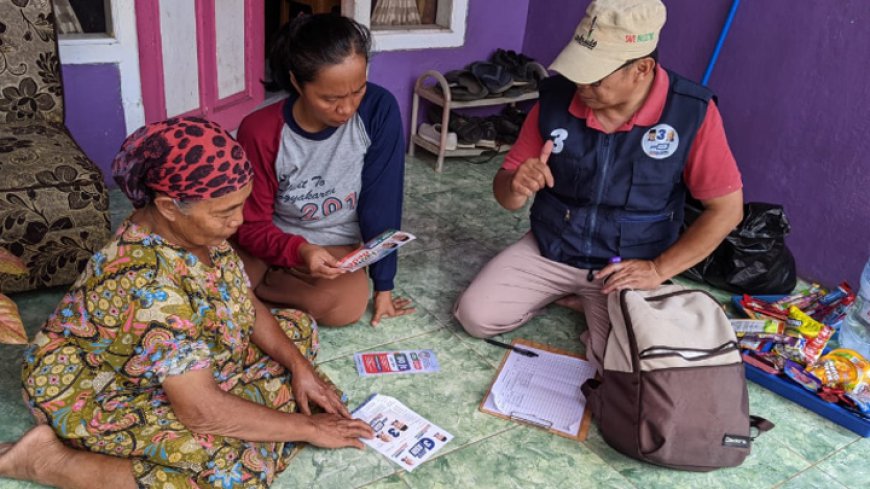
588,41
633,38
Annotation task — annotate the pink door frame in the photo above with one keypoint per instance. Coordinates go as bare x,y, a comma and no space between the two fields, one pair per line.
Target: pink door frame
228,111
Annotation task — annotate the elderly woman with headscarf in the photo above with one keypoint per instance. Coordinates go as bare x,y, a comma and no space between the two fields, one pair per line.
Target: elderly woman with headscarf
160,368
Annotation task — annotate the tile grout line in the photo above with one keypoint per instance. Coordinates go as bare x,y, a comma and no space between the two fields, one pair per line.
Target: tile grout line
476,352
397,473
831,455
813,465
799,473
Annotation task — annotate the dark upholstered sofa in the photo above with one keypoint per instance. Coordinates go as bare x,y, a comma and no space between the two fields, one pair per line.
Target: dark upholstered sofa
53,200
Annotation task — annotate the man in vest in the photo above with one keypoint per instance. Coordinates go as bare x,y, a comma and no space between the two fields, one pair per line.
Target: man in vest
608,154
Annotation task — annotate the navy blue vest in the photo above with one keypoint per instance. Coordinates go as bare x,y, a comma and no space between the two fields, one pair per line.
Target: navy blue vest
610,197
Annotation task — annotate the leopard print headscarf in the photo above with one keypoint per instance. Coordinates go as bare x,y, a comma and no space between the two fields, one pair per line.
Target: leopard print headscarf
186,158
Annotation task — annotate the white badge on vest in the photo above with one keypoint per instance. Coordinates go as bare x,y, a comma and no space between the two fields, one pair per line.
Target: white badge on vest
660,141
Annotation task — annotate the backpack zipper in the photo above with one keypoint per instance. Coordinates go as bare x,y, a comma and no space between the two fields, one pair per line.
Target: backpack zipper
688,354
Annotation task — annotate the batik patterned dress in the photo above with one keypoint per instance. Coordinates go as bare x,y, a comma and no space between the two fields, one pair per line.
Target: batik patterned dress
143,310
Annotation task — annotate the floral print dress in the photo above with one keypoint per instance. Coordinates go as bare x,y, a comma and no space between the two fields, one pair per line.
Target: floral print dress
144,310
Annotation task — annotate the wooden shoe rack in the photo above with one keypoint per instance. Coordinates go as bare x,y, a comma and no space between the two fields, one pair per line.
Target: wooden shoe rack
442,98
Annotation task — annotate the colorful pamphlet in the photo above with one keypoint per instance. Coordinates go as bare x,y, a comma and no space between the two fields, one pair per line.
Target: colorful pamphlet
375,250
396,362
401,435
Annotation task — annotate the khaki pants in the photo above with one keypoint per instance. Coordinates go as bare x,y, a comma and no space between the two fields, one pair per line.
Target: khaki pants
518,282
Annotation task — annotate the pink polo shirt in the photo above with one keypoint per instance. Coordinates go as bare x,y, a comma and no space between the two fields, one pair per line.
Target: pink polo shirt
710,171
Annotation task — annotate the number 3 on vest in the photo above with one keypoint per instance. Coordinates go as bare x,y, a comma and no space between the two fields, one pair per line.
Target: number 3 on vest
559,136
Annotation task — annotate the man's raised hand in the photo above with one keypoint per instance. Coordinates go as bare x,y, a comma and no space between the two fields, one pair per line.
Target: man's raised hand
534,173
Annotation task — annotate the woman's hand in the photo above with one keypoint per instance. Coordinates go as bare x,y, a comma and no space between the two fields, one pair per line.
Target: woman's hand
387,307
333,431
319,261
308,387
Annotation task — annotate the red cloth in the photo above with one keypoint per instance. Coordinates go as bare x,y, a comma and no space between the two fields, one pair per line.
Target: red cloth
260,135
710,171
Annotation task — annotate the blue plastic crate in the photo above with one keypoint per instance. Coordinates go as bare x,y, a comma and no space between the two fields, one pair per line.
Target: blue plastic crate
785,387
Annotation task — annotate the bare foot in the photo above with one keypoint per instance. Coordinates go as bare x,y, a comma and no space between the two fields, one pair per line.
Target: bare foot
31,456
571,302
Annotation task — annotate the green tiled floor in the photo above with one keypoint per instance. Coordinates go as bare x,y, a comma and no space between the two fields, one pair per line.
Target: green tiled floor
460,227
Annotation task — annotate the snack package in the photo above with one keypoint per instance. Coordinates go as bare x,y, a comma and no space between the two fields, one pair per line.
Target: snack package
791,350
758,309
843,368
861,398
831,308
815,346
848,371
772,337
801,299
743,327
755,344
841,292
804,324
837,314
814,337
766,364
796,372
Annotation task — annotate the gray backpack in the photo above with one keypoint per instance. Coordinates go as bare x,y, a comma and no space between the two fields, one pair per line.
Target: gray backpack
673,391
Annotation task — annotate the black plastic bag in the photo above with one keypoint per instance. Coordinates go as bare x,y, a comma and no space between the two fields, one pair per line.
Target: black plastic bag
753,259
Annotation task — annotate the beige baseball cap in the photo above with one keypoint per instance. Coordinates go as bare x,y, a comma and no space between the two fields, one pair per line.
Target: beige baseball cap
611,33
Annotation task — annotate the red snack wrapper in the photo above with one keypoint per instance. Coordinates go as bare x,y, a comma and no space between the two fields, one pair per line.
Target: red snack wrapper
761,363
814,347
758,306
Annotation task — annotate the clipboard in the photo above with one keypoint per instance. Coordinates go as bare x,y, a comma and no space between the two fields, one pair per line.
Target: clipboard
530,419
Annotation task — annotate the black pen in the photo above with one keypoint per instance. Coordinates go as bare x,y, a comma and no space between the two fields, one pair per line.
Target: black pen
521,351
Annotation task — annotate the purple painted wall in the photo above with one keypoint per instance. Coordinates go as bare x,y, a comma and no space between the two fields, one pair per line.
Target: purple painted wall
94,113
791,85
491,24
93,97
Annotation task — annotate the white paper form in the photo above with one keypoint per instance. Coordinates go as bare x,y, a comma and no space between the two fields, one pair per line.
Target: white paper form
543,390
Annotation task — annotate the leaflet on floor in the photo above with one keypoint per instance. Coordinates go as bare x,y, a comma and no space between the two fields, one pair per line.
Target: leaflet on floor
396,362
401,435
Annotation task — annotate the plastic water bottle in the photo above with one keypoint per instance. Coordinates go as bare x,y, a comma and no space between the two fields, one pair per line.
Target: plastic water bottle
855,331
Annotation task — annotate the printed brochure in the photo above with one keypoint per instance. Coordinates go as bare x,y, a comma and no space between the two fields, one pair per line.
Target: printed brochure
396,362
375,250
401,435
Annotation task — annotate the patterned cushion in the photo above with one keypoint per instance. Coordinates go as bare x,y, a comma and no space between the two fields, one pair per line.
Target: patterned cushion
53,204
30,87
